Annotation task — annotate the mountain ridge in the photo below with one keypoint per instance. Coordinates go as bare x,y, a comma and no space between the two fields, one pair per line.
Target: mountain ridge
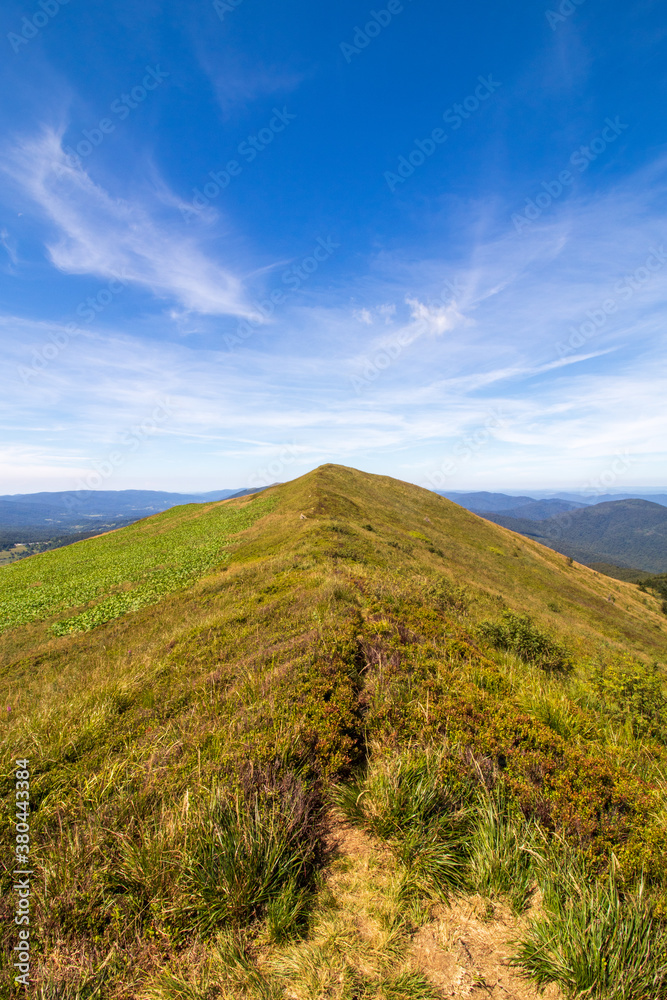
628,533
214,697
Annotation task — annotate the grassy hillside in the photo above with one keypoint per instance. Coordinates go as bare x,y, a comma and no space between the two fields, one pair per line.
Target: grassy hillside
627,533
274,742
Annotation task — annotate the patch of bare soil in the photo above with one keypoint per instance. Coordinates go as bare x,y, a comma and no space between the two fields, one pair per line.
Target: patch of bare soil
347,840
465,949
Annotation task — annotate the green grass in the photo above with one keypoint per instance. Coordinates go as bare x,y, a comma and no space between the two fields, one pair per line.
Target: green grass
404,801
145,561
502,852
250,854
185,750
593,941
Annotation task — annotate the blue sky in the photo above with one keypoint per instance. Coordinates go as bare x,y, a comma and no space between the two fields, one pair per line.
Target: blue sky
240,239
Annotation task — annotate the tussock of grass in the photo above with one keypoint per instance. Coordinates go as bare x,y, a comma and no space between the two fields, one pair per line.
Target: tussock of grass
405,803
502,851
592,940
447,837
253,852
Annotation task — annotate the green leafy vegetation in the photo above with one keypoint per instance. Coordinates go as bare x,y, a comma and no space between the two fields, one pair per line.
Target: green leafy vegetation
519,634
151,558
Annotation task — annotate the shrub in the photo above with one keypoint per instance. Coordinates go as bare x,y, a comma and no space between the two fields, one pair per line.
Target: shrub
633,693
520,635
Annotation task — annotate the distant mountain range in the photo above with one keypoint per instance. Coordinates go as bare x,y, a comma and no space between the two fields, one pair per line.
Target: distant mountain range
628,533
624,531
32,517
497,502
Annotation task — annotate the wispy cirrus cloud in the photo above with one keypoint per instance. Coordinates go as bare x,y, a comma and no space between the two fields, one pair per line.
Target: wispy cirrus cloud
479,335
105,236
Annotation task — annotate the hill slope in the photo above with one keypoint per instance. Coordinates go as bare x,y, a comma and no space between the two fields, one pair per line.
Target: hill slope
217,700
625,532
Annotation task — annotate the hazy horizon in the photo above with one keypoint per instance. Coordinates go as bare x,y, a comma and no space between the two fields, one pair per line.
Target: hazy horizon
536,493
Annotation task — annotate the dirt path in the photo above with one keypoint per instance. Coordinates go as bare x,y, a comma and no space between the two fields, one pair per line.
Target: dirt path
463,949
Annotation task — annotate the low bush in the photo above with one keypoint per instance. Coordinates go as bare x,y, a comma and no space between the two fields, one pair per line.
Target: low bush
520,635
632,694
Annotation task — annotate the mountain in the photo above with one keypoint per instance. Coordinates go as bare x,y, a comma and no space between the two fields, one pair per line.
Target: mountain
540,510
556,503
627,533
481,502
267,739
586,498
97,503
20,513
522,507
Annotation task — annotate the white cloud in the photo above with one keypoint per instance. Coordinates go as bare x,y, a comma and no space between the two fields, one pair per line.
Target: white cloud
363,316
112,237
487,344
